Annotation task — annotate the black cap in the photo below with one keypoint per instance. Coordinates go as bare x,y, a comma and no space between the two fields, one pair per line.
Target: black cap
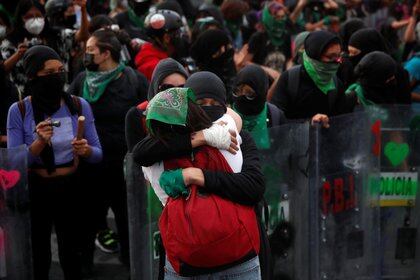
162,21
207,85
35,58
318,41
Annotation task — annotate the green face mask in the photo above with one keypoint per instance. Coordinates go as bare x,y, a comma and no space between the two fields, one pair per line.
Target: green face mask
275,28
322,73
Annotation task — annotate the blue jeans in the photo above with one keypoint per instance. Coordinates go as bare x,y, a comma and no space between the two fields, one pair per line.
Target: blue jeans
249,270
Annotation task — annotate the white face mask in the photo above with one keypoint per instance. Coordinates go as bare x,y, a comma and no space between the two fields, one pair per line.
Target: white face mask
2,32
35,25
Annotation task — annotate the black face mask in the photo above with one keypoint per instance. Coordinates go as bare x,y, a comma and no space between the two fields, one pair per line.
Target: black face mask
181,46
140,8
46,92
214,112
89,63
224,66
355,59
249,107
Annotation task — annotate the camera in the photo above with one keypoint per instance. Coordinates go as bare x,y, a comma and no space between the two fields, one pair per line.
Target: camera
34,42
55,123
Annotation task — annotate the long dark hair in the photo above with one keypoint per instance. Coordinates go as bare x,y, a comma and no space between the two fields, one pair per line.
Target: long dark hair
197,120
108,40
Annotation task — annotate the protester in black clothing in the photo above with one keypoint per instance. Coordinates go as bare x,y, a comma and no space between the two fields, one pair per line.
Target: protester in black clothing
112,89
8,95
376,81
250,103
313,87
132,21
213,51
368,40
167,74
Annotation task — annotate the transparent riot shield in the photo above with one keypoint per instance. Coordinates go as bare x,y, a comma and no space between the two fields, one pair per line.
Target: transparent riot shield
15,236
344,213
143,213
400,210
285,166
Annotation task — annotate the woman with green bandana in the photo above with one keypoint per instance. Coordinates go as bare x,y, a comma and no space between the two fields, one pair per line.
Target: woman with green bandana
306,90
173,112
279,24
250,103
376,83
112,89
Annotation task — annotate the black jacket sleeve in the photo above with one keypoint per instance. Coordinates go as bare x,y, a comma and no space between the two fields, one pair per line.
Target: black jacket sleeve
134,131
151,150
246,187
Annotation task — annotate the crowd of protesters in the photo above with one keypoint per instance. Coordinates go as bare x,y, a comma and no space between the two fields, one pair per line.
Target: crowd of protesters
191,89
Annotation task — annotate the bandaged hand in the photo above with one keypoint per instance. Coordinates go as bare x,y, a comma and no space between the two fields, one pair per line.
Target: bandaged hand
220,137
172,182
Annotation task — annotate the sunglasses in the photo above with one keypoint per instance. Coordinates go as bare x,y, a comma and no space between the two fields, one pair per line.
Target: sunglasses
250,95
168,86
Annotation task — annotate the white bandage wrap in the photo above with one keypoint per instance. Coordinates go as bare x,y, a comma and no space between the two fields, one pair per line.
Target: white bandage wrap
217,136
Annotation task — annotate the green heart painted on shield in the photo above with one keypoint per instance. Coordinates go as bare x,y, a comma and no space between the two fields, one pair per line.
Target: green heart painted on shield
396,152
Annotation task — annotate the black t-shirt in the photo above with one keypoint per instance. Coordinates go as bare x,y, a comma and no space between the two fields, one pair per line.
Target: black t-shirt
110,110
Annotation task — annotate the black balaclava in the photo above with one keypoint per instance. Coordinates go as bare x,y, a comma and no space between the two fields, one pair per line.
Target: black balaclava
367,40
318,41
207,85
139,7
348,28
255,77
374,73
46,92
206,45
163,69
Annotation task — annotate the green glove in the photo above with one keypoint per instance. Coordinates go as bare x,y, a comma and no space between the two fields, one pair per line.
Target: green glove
326,20
172,182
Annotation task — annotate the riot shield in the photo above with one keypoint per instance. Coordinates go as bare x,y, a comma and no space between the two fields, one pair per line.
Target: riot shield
400,210
15,236
143,213
285,166
344,212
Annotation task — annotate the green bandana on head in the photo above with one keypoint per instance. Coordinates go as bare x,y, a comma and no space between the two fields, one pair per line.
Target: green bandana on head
257,126
170,107
357,88
275,28
96,82
322,73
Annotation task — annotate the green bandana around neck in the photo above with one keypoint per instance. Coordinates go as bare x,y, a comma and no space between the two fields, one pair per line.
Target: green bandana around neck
322,73
276,29
357,88
96,82
134,18
170,107
257,126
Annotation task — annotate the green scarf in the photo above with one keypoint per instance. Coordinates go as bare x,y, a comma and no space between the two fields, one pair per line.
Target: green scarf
276,29
134,18
257,126
170,107
321,73
357,88
96,82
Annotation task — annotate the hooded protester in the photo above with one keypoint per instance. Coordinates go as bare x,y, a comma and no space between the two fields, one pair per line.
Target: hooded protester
368,40
168,74
164,28
210,10
250,103
243,187
347,29
132,21
111,88
376,82
313,87
53,157
213,52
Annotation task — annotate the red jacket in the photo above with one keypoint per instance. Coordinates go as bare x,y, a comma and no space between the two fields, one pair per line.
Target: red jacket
147,59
